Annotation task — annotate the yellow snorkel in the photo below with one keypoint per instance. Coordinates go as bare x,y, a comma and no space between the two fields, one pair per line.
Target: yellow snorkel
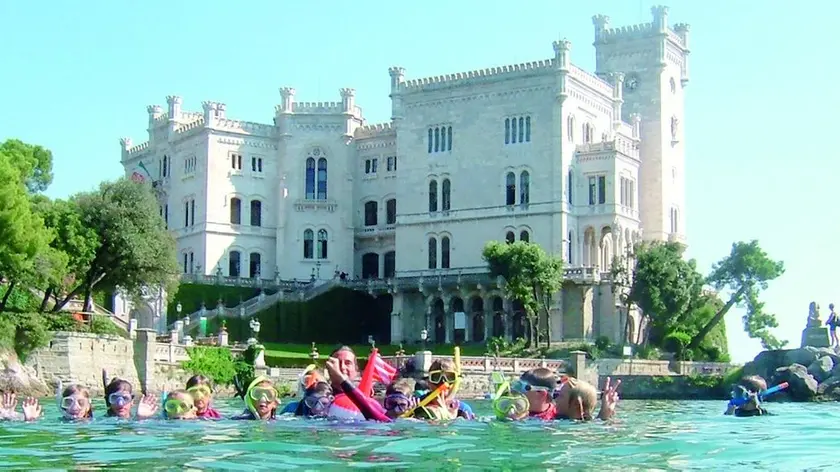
425,401
457,383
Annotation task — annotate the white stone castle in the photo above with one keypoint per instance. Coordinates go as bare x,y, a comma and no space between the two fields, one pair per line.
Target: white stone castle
544,151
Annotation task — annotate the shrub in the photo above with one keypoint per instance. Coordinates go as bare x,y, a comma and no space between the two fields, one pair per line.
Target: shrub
603,343
217,363
648,352
676,342
23,332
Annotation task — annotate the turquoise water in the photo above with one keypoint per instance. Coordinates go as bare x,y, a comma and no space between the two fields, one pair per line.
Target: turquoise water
647,435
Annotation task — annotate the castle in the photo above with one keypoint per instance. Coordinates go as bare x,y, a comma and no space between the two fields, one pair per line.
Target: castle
546,152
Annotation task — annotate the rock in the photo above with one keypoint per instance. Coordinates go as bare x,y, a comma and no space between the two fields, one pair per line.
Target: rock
15,377
829,385
803,356
830,352
802,385
821,368
766,363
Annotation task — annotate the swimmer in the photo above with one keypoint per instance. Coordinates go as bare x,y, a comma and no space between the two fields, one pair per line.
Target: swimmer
119,399
30,406
748,388
201,390
179,405
261,399
538,386
576,400
74,402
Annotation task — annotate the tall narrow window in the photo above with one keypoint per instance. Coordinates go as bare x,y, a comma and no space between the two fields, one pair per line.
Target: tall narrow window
444,252
256,213
322,244
186,214
507,130
254,265
437,139
510,238
235,211
675,220
391,212
322,179
513,130
433,196
524,236
570,128
186,261
308,244
371,210
623,191
521,129
233,264
165,166
569,188
527,129
593,190
449,138
192,262
524,187
390,265
166,215
310,179
443,139
510,189
432,253
431,139
570,248
192,212
445,190
602,189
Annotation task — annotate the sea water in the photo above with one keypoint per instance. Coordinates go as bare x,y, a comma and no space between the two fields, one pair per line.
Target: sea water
646,435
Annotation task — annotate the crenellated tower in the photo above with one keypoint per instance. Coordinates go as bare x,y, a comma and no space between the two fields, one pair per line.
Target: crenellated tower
653,59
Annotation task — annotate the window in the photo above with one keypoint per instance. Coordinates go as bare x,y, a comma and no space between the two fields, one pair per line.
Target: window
308,244
165,166
254,265
192,212
510,189
371,165
440,139
675,220
432,253
192,261
166,215
570,247
322,244
371,210
628,189
322,179
186,262
524,236
370,266
569,188
391,212
518,130
186,214
391,163
445,189
444,252
310,179
602,189
570,128
390,265
597,190
433,196
189,165
235,211
256,213
673,85
257,165
524,187
587,133
510,237
236,161
233,264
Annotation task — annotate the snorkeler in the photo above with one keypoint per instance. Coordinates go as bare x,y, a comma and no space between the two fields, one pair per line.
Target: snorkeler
119,399
201,390
261,400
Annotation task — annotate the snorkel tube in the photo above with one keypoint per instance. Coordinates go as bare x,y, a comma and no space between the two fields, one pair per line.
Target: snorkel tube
761,395
59,389
457,383
250,403
426,400
508,404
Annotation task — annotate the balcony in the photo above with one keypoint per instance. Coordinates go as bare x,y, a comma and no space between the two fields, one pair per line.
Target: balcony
328,205
478,213
376,231
676,238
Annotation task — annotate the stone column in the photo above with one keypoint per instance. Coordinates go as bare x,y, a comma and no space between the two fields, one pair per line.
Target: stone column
488,323
396,318
144,358
467,326
507,319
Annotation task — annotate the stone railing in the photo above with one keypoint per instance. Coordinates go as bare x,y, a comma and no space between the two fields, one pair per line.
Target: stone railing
171,353
487,364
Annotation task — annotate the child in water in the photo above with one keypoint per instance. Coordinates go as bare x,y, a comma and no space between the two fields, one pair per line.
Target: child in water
747,390
119,399
74,403
261,400
179,405
31,408
444,407
573,399
201,390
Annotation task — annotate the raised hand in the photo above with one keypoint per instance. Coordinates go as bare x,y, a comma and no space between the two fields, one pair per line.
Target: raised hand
31,409
609,399
8,405
334,370
147,407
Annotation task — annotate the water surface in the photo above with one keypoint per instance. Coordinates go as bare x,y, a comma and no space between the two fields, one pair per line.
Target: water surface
647,435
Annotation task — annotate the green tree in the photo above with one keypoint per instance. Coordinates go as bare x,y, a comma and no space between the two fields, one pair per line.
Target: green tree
745,272
22,233
133,248
32,161
531,277
665,287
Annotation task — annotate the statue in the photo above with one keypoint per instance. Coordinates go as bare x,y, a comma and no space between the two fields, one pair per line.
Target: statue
814,334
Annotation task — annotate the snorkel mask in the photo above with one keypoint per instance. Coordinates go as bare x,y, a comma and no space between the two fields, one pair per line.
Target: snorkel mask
510,404
255,393
309,377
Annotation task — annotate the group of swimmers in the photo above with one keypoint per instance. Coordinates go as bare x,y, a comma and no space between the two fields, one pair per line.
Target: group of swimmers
538,393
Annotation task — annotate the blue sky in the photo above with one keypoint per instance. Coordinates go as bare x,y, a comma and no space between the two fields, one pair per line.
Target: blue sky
78,76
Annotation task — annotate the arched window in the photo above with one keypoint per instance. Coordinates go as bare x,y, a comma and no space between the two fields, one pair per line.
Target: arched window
433,196
233,263
310,179
570,128
308,244
445,189
521,129
444,252
513,130
322,179
391,212
371,210
527,129
569,187
235,211
437,139
322,244
432,253
510,189
507,130
449,139
587,133
524,187
571,248
165,166
431,140
510,237
370,266
254,260
390,265
443,139
256,213
524,236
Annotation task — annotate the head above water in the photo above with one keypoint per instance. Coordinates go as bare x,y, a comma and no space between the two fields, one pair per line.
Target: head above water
201,389
576,400
538,386
347,362
75,402
179,405
119,397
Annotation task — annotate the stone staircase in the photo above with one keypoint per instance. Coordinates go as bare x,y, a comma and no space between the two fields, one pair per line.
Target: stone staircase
252,306
78,305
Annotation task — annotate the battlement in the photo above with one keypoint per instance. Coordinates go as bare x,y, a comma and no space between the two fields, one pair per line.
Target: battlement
623,33
317,107
591,80
197,123
656,28
464,78
136,149
372,131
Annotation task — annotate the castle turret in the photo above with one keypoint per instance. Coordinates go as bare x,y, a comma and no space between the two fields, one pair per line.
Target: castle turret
660,18
213,110
635,122
397,80
618,97
682,30
602,23
287,100
155,112
348,99
562,62
125,145
174,103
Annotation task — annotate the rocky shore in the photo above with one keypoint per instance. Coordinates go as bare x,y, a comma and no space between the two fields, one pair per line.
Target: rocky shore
813,373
